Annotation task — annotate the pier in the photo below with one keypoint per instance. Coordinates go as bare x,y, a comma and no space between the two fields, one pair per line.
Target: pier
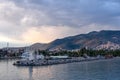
52,61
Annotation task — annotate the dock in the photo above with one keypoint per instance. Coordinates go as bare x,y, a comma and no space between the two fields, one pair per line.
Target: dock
51,61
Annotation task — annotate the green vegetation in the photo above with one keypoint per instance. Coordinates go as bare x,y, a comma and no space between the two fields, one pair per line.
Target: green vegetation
70,53
80,53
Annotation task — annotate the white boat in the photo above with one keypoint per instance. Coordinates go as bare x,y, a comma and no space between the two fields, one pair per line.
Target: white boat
27,55
29,58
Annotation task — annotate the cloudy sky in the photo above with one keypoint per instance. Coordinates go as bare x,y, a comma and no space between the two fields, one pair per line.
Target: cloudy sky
30,21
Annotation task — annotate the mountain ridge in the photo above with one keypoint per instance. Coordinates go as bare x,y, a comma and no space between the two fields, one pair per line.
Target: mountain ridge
92,40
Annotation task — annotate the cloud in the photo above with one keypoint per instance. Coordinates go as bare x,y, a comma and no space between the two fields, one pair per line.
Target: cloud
47,33
51,19
75,13
61,12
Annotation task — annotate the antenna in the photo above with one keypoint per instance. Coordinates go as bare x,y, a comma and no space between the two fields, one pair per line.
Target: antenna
7,45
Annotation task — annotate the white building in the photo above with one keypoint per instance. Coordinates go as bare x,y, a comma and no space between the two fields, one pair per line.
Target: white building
31,56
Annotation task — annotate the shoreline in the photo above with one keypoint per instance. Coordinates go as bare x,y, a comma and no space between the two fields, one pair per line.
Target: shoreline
53,62
2,58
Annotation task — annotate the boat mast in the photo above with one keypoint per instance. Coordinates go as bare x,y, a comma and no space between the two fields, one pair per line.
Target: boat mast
7,45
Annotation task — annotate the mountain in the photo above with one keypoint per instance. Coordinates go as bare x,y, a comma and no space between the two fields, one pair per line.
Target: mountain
105,39
37,46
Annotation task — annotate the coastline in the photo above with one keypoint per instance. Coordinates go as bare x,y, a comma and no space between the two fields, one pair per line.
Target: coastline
2,58
53,62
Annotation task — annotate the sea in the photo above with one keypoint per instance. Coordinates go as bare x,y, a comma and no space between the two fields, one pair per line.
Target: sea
108,69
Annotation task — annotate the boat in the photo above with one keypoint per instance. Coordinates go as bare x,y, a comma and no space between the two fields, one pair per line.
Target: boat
29,58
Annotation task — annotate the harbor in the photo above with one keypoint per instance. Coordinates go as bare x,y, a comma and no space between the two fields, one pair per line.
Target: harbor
59,40
51,62
30,59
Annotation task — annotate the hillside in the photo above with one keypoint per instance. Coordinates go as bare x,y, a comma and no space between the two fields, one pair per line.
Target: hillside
104,39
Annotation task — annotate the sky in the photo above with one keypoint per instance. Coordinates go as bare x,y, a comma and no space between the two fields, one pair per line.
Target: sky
23,22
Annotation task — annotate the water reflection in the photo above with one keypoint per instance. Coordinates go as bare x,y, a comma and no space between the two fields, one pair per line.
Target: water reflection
30,73
86,70
7,68
95,70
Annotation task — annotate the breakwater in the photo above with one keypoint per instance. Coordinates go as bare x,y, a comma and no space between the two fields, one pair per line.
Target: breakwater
51,61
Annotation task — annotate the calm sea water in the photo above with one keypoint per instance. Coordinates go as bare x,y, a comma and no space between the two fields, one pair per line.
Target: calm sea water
94,70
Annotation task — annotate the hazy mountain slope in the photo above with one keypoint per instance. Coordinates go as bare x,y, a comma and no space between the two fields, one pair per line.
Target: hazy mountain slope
38,46
94,40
